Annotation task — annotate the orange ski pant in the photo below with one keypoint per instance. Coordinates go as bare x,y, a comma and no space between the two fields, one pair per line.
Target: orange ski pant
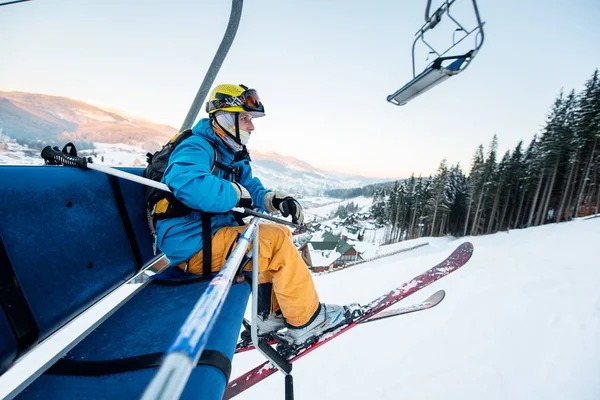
279,263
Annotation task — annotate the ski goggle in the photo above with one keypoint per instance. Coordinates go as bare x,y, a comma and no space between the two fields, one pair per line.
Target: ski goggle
248,100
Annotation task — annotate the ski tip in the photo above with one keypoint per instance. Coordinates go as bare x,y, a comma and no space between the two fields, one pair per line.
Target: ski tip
437,296
466,246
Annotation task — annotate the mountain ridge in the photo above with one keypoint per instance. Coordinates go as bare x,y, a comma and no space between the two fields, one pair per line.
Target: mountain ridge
36,120
58,119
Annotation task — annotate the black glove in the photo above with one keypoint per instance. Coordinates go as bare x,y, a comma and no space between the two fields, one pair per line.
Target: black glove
244,198
277,201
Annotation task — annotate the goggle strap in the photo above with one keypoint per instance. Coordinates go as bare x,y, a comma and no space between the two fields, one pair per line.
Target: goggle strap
236,101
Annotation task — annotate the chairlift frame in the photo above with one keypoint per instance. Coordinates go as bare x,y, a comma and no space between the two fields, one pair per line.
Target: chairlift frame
177,364
435,73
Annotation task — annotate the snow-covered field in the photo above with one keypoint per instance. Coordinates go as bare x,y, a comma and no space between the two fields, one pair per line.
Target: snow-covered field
117,155
323,209
520,321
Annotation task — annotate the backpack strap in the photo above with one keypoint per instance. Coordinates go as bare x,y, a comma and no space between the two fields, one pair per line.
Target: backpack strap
217,159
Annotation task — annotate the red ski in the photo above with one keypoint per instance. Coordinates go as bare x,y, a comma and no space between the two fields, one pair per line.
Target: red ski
432,301
457,259
242,348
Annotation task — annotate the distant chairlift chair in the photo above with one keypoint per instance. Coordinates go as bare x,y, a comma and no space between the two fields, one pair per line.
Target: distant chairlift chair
436,72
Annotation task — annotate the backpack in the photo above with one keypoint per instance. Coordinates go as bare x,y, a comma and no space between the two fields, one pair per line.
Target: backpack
161,204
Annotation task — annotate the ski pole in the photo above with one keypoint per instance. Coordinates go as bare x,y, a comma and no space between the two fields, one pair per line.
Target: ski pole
249,212
56,157
183,355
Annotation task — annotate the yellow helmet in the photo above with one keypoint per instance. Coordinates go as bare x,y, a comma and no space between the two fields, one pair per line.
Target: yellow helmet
235,99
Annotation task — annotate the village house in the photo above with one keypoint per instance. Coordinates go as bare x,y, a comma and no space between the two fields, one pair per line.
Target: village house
328,251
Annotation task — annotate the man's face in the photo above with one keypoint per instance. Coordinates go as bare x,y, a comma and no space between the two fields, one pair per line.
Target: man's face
246,122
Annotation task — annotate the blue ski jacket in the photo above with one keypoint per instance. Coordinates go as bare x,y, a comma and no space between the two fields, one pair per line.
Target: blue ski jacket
191,180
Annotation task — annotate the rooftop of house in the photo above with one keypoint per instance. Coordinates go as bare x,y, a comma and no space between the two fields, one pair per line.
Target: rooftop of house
329,241
322,258
326,247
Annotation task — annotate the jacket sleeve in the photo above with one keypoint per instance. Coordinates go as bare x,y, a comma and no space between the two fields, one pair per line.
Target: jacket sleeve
189,177
253,185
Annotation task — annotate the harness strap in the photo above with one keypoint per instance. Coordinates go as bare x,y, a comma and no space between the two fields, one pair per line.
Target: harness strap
70,367
219,164
207,245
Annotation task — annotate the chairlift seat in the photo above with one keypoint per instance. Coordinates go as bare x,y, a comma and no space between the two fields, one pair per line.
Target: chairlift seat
436,73
144,326
432,76
67,238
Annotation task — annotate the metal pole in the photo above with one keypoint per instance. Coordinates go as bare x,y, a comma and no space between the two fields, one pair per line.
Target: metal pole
162,186
254,329
128,176
234,21
57,157
480,25
183,355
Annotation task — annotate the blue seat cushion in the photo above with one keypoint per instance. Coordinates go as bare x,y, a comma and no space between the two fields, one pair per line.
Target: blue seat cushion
148,324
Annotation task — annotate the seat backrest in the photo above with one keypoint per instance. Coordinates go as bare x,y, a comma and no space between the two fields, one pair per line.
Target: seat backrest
67,238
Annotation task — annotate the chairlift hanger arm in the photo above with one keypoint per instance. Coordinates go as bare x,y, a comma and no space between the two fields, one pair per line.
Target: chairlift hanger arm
6,3
215,66
431,23
432,20
435,72
443,8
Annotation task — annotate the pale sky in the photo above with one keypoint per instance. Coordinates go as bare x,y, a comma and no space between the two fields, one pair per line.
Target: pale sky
323,69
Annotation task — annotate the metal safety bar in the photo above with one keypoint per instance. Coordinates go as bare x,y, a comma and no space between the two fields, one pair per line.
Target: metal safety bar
183,355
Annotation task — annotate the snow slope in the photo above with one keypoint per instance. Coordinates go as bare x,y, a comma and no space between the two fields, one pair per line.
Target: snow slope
520,321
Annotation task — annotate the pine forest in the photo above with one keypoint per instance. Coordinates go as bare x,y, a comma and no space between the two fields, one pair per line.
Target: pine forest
553,178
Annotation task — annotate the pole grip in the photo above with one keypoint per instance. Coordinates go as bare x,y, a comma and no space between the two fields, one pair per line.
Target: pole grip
53,156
